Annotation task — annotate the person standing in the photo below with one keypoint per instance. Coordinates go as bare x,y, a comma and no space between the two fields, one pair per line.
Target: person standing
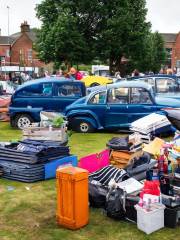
74,74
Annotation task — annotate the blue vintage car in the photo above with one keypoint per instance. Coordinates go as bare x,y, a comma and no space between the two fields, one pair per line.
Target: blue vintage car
163,85
115,106
48,94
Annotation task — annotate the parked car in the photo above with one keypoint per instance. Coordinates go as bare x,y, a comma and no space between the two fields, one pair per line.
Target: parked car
115,106
92,81
52,94
163,85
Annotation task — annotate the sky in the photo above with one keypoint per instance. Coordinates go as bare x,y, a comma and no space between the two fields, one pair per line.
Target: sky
164,15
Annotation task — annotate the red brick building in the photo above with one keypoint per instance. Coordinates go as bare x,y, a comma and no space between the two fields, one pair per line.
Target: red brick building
17,49
172,45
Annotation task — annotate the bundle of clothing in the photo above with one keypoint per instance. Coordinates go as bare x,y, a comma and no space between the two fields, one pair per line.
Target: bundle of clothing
125,143
25,160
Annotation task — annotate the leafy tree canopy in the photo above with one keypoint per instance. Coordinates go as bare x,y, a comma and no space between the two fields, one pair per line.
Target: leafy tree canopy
77,31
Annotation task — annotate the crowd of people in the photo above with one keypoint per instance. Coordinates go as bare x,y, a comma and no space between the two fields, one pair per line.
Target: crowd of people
72,74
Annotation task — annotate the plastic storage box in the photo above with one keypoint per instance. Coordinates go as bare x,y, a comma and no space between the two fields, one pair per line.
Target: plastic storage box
72,197
50,167
150,221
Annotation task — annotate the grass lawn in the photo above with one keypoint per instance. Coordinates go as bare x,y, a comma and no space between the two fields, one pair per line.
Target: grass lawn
27,212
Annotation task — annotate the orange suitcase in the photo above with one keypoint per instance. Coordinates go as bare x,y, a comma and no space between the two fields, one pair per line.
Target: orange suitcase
72,197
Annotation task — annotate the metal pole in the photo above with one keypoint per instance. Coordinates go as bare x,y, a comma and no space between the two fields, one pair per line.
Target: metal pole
8,23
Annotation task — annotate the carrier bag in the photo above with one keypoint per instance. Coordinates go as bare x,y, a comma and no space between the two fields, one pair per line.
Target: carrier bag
115,204
97,194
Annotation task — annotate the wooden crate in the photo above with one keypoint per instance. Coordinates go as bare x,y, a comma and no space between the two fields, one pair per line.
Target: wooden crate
43,133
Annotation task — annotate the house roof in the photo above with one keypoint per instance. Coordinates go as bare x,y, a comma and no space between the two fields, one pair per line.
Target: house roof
6,40
169,37
31,34
12,38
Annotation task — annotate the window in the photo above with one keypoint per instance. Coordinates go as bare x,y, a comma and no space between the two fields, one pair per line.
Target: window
68,90
7,53
36,90
118,96
140,96
166,85
99,98
29,54
150,81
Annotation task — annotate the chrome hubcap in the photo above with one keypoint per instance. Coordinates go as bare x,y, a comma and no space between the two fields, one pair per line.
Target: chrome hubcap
84,127
23,122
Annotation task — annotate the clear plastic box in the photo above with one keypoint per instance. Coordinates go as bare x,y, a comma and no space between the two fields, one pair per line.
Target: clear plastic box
150,221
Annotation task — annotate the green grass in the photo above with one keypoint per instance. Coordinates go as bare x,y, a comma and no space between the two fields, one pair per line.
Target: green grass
28,211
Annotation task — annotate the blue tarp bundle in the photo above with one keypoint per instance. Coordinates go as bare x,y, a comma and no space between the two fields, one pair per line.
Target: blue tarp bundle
25,161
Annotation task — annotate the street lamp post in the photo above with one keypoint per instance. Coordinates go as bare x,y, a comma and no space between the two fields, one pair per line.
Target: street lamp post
8,23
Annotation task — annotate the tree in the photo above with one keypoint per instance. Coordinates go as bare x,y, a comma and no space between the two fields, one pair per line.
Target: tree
67,33
159,52
125,34
77,31
155,53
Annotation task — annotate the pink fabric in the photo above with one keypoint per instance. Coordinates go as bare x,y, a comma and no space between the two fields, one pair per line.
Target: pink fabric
79,76
94,162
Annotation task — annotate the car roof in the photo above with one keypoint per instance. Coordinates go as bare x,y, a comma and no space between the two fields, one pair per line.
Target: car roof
48,80
155,75
131,84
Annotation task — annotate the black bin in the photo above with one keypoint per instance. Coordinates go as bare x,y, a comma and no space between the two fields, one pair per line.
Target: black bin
171,217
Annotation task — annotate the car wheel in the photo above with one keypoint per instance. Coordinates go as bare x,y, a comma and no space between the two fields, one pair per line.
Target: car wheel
82,126
22,120
94,84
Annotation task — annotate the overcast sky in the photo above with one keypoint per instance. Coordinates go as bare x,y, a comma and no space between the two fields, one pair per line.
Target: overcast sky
163,14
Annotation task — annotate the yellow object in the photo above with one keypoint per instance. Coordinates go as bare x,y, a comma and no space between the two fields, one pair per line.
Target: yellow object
72,197
91,81
154,147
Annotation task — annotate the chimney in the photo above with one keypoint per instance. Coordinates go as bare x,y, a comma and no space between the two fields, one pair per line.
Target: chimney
25,27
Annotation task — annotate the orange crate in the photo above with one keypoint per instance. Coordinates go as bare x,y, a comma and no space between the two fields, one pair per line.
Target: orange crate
72,197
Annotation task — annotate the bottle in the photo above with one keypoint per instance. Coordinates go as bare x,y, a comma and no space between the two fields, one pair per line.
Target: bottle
161,162
148,206
169,167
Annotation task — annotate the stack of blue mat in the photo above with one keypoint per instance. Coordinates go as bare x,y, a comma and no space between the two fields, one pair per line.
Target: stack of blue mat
25,161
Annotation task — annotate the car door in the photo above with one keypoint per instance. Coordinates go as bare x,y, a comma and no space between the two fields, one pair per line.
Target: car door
66,93
96,105
116,115
141,104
